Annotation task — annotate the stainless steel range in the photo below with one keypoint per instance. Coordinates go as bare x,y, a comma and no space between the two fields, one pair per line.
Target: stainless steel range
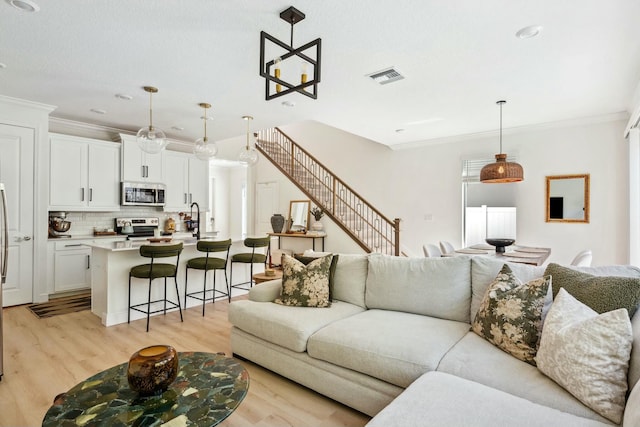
137,227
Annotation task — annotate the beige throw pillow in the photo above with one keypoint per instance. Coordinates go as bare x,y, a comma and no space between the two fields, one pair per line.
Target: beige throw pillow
587,353
511,313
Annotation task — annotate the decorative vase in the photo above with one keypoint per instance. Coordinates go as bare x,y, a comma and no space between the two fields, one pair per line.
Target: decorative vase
152,369
317,226
277,222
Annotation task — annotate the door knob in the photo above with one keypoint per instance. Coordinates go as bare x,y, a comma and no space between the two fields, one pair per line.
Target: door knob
27,238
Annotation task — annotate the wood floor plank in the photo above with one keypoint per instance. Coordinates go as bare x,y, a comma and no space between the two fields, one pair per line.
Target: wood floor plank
44,357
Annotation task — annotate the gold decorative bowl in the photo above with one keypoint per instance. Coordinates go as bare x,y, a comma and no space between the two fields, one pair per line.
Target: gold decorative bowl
152,369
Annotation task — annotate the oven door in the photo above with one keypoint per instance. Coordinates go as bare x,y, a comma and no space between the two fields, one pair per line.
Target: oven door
142,194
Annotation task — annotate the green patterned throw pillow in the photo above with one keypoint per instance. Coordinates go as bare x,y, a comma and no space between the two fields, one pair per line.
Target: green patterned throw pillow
305,285
510,315
601,293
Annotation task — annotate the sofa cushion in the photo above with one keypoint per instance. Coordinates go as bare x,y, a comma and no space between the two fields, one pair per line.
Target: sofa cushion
510,315
393,346
350,279
632,410
438,399
601,293
437,287
484,271
305,285
587,353
478,360
286,326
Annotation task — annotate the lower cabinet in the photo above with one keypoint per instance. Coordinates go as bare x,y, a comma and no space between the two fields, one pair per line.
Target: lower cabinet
71,266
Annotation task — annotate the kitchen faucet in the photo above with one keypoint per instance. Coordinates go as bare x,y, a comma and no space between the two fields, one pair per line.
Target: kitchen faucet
197,233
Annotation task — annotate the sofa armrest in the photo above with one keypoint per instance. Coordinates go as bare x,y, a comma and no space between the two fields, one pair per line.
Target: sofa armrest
266,291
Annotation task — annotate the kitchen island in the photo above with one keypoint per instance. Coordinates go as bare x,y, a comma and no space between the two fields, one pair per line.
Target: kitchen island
111,262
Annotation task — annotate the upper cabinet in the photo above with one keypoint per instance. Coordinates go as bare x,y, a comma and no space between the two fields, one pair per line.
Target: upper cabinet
138,166
186,178
84,174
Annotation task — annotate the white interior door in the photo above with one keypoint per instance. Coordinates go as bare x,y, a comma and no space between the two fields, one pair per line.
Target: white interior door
267,198
16,172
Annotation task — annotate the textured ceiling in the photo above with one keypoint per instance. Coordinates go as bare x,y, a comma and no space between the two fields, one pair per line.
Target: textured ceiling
458,57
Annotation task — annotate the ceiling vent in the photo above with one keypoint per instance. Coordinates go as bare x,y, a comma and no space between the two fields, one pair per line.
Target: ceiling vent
386,76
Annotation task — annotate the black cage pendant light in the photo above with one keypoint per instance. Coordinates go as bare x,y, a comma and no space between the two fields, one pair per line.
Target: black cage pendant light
271,69
501,171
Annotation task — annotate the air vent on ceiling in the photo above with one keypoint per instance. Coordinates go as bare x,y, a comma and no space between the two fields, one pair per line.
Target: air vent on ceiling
388,75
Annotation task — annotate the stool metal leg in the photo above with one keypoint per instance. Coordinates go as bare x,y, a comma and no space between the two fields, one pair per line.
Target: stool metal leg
175,279
227,283
204,290
149,304
129,302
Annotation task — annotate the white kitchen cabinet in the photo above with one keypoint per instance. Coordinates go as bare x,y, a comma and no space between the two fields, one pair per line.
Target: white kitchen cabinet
186,178
71,266
138,166
84,174
199,182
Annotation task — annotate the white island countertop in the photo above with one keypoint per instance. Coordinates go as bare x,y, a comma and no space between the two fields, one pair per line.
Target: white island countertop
129,245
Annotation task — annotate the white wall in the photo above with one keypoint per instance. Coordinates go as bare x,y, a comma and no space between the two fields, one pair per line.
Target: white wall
422,186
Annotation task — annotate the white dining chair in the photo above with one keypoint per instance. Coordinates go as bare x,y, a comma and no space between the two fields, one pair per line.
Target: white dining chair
583,259
446,247
431,251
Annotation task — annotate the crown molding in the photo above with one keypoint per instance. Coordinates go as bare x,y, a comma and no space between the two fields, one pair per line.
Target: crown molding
583,121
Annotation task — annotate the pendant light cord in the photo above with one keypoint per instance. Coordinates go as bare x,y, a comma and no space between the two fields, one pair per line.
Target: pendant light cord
150,110
500,103
205,125
247,134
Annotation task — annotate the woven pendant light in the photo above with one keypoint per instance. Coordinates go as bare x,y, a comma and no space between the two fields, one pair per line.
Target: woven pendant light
501,171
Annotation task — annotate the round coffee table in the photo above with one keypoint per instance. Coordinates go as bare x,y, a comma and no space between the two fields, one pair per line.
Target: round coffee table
209,387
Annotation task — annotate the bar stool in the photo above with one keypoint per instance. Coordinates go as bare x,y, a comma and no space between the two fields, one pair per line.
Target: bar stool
156,270
251,258
207,263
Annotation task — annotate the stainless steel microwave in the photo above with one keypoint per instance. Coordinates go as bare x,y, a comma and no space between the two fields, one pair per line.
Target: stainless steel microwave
142,194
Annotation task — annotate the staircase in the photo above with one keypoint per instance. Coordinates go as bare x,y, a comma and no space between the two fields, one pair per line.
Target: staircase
369,228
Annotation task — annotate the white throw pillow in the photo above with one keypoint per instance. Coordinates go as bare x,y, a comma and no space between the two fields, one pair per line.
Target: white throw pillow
587,353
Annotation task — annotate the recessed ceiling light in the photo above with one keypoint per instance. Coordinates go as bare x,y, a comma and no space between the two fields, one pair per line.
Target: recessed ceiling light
529,32
98,111
124,96
178,128
288,103
3,65
24,5
399,130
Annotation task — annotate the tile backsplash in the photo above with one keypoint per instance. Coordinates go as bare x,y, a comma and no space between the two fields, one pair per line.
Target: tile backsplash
84,223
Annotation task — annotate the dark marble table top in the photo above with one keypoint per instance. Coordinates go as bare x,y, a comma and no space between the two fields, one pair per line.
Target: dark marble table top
209,387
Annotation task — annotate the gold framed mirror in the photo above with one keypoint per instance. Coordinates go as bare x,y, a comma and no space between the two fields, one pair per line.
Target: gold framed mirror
299,215
567,198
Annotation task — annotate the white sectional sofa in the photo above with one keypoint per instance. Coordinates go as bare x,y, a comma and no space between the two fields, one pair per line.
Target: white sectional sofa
396,344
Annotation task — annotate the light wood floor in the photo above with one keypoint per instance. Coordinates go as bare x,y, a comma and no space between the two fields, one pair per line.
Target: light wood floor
43,357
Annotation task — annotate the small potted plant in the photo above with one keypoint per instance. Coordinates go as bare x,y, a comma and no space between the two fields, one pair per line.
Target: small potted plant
317,213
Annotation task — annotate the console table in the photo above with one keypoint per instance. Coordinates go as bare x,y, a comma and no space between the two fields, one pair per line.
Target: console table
209,387
313,238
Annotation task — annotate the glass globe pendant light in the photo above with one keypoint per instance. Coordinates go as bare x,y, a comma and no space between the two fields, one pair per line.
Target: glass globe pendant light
248,154
205,149
151,139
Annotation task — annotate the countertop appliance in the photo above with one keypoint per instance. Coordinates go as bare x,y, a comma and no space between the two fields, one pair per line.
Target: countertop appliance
142,194
58,224
135,228
4,255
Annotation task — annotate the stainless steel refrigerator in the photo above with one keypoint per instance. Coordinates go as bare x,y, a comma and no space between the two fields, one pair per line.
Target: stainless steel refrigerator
4,253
